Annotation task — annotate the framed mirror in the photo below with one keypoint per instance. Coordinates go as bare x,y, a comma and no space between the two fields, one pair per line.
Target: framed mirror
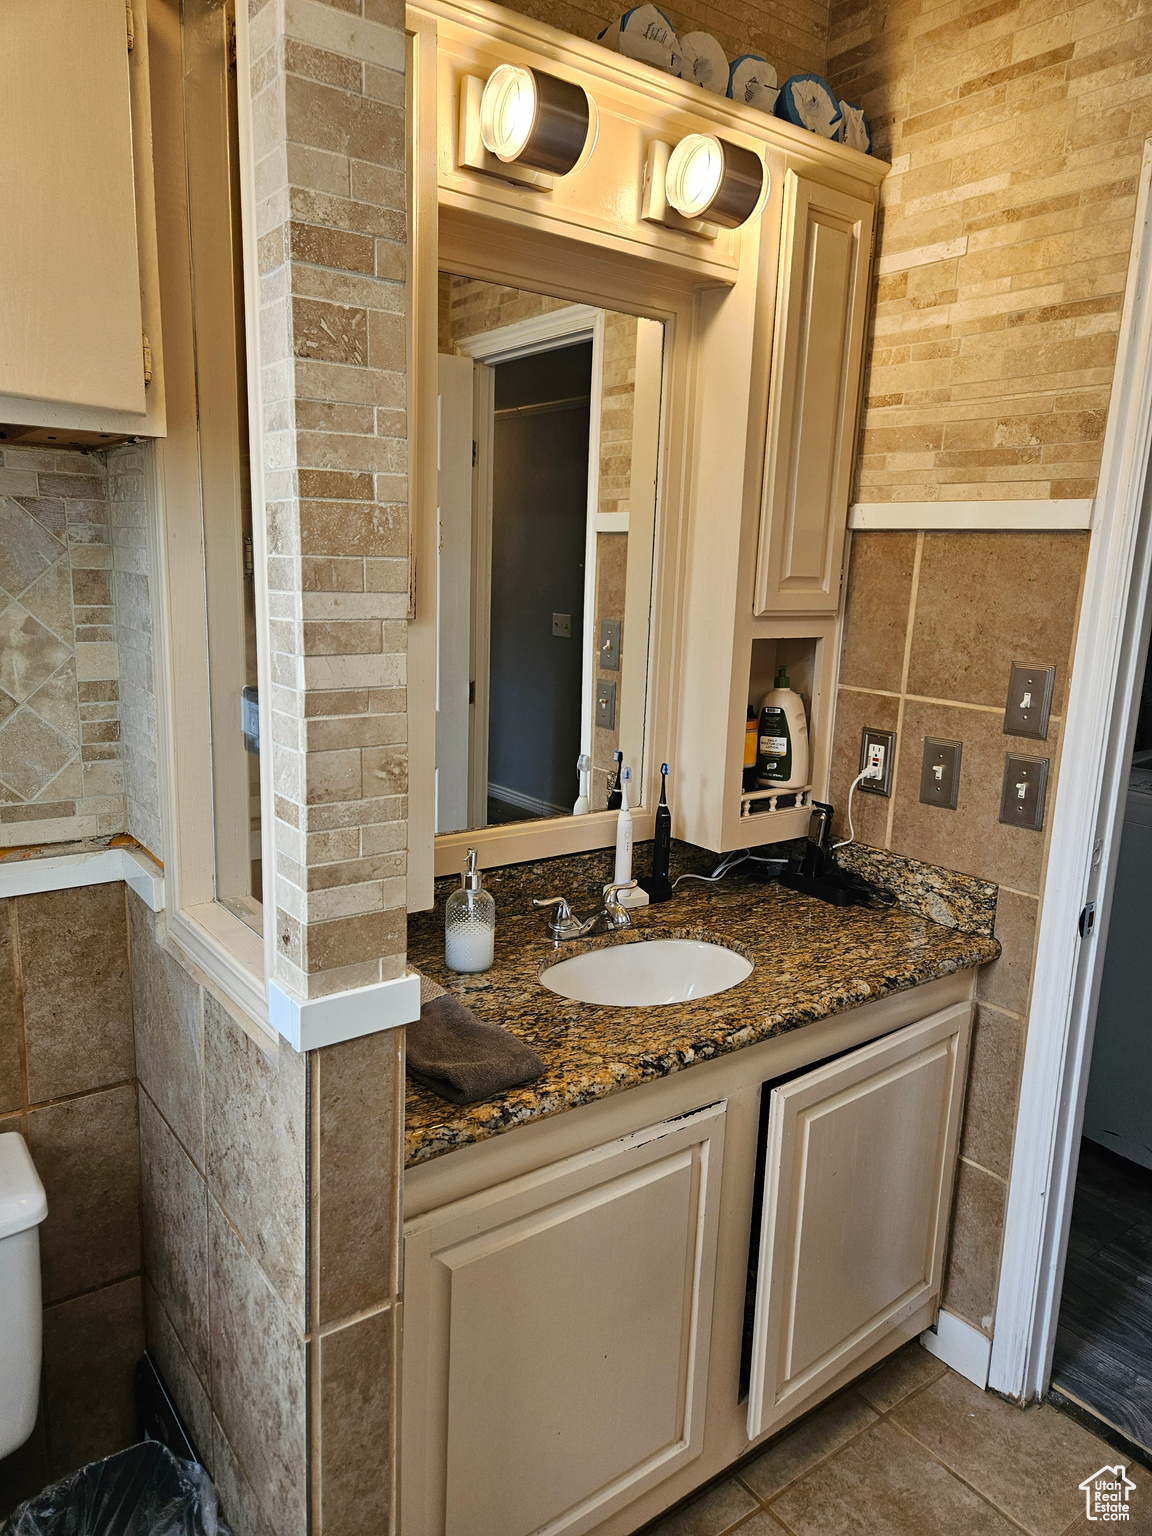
548,446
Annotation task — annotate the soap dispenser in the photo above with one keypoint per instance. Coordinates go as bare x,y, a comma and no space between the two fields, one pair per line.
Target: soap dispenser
469,923
782,758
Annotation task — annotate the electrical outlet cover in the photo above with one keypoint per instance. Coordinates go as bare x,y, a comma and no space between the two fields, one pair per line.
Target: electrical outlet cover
562,626
1023,791
1029,701
887,740
940,772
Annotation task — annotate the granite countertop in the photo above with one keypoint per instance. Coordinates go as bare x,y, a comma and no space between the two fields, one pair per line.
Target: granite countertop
811,961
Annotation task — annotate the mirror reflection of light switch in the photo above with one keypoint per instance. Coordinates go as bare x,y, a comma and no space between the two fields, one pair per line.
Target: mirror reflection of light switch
610,645
605,704
562,625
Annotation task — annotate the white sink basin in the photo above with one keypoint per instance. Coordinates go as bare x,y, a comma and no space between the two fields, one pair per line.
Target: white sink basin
645,974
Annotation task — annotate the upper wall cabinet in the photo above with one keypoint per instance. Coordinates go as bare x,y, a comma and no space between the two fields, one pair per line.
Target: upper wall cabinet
79,325
816,364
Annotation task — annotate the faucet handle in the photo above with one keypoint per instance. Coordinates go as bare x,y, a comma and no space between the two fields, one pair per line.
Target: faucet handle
616,914
561,925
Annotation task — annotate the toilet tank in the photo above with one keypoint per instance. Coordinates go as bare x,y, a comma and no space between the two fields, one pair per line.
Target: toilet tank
22,1208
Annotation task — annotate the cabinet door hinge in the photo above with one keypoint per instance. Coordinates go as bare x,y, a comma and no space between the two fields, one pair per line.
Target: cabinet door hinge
130,24
147,358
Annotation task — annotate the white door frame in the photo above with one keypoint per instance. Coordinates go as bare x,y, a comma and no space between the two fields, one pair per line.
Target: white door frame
542,333
1110,646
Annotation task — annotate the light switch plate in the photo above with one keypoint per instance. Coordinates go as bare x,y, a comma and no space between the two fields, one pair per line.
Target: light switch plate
887,741
1022,794
940,772
562,625
609,658
605,704
1029,701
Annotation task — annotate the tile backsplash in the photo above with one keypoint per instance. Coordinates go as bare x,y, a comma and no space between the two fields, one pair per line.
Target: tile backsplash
61,775
78,752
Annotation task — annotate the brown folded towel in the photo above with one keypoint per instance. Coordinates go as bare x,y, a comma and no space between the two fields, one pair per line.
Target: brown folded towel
458,1056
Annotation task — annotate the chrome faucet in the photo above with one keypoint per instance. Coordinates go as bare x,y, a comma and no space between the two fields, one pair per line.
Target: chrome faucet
564,924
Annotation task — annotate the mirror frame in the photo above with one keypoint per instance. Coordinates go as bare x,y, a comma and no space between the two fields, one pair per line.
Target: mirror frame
473,235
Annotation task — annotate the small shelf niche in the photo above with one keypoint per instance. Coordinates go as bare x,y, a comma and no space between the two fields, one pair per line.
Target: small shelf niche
772,815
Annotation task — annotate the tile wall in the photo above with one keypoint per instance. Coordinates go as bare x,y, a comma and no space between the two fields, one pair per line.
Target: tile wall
327,86
61,775
933,623
132,602
270,1197
68,1085
1015,131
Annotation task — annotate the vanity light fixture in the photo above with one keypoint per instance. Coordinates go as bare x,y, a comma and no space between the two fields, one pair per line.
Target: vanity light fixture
524,125
703,184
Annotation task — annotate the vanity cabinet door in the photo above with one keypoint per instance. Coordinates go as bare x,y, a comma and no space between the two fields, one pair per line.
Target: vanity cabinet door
556,1336
858,1182
825,250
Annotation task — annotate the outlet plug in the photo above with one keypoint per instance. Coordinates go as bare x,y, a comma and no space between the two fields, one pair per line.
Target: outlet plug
877,751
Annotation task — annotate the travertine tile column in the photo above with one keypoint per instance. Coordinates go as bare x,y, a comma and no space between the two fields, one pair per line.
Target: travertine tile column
328,109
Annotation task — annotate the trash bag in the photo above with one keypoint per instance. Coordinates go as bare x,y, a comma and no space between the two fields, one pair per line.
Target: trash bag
143,1491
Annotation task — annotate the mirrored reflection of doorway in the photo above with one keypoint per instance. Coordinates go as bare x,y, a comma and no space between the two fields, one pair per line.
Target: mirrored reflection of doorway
539,519
549,419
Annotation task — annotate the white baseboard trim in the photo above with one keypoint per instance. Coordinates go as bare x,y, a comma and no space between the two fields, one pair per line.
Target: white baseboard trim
525,802
972,516
309,1023
959,1345
28,877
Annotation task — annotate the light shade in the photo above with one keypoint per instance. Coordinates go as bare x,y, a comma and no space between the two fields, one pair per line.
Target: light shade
533,119
712,180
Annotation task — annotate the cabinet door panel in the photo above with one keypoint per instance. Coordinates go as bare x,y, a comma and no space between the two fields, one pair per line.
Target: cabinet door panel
70,322
556,1339
857,1190
816,363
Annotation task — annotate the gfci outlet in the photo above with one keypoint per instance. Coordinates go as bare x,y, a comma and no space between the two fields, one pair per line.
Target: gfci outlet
877,750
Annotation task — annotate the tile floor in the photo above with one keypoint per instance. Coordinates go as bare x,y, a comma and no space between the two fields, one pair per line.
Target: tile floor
915,1450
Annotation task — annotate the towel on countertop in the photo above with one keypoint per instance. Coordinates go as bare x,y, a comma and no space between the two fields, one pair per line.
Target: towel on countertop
458,1056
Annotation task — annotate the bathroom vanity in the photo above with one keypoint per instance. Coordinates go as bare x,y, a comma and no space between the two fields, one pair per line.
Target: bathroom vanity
706,1217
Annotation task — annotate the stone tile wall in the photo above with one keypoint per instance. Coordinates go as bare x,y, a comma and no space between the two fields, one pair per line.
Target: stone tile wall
270,1197
67,1084
1015,131
61,777
223,1142
132,602
328,109
934,621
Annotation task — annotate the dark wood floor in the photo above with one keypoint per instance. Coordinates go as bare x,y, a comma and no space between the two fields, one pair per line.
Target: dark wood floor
1103,1355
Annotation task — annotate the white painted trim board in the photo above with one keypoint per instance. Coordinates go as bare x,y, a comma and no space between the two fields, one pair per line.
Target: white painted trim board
67,871
960,1346
972,516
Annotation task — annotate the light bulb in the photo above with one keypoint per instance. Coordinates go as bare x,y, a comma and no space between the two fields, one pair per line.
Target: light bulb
508,111
695,172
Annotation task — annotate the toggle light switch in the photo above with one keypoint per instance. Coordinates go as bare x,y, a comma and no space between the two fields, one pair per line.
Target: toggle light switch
1029,701
940,772
1023,790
